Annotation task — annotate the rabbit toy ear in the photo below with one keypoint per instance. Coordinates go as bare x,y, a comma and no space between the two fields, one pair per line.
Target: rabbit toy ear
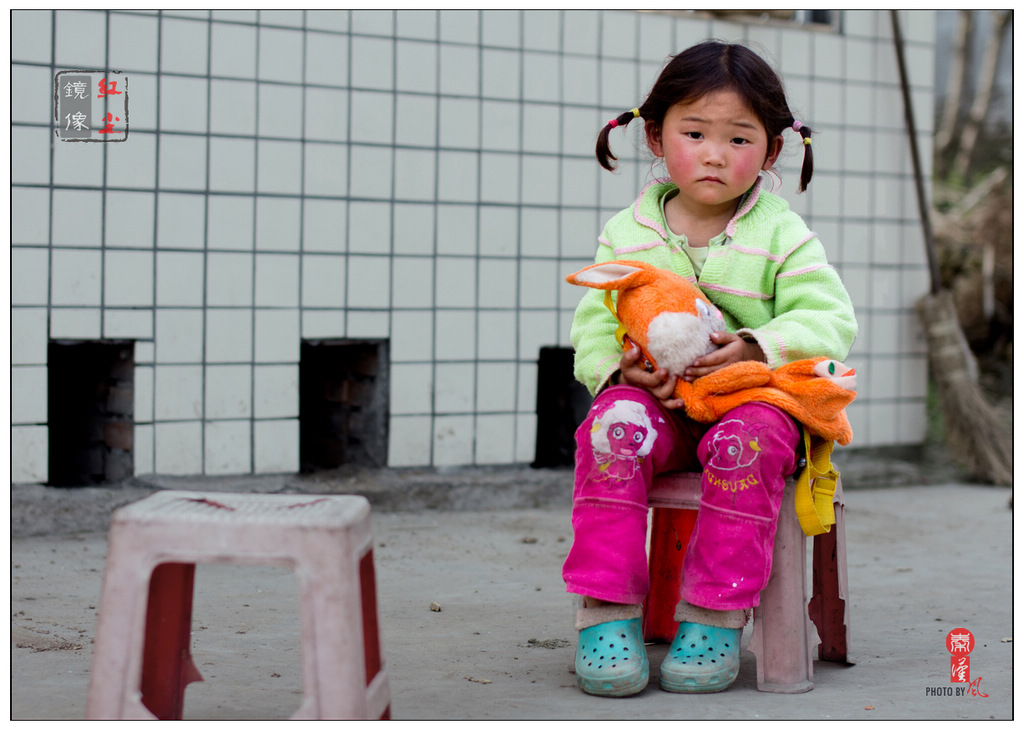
611,275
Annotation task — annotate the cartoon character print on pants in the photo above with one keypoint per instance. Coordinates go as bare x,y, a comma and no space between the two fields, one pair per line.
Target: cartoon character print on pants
621,437
733,448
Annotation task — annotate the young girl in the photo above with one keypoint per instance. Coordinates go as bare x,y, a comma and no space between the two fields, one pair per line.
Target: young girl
716,117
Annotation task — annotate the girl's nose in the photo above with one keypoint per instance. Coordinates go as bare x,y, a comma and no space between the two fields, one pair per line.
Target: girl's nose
713,155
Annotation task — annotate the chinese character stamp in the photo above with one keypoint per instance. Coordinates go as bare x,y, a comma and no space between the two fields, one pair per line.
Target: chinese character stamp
90,106
960,642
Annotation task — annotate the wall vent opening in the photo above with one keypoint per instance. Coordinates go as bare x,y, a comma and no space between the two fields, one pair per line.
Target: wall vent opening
562,404
90,411
343,404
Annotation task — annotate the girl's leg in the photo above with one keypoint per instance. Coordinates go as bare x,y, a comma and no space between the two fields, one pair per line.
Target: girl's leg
747,457
626,438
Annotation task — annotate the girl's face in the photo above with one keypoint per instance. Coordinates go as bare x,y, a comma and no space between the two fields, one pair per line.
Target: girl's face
714,149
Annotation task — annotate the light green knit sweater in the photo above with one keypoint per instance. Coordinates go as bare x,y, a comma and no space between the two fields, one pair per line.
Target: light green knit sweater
770,278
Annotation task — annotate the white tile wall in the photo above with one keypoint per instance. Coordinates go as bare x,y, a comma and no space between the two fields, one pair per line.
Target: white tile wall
228,447
276,391
322,165
29,274
454,387
423,176
144,390
228,391
453,440
184,46
409,441
275,335
182,162
456,282
498,278
411,281
232,50
142,449
179,448
80,323
526,391
369,280
183,104
495,387
77,218
323,281
493,442
179,220
28,394
178,392
323,324
33,41
229,279
232,165
30,444
276,446
229,335
35,103
496,332
29,155
456,226
80,39
128,279
229,222
179,335
324,224
369,226
279,167
526,437
412,336
412,387
278,223
277,280
455,334
179,279
28,336
539,282
76,277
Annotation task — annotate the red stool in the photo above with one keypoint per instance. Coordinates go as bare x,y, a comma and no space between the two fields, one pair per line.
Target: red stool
142,660
783,636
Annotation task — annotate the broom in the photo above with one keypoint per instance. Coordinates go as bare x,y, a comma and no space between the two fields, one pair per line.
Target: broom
975,430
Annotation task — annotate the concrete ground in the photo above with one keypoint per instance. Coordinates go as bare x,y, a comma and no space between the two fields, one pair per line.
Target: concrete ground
486,550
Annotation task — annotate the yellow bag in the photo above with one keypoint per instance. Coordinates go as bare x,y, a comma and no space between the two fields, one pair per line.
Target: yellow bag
816,486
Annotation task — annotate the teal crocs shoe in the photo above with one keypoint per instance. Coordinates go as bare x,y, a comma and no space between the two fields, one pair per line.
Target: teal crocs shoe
701,659
611,660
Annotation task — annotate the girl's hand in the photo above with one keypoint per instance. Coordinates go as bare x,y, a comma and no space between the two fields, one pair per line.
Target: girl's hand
661,385
732,348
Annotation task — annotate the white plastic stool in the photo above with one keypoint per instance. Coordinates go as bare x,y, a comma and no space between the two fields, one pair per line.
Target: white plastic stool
141,658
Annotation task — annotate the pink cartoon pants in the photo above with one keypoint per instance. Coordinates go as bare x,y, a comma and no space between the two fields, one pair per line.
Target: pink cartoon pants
626,439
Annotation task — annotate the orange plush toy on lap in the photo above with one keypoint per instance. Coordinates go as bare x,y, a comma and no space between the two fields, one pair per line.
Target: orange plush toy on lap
671,321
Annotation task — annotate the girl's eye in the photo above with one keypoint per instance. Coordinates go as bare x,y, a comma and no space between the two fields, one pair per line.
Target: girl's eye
739,140
694,135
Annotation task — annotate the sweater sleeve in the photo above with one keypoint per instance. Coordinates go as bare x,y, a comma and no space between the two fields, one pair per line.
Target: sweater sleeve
593,336
813,315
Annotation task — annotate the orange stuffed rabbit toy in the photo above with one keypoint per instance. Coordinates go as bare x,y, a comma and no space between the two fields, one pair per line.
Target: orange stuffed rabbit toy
671,320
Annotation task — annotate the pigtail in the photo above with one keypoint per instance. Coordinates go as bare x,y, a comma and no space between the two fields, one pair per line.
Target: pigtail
808,167
603,149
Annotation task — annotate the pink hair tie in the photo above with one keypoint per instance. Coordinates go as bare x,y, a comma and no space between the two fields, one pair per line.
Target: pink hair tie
797,124
613,123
